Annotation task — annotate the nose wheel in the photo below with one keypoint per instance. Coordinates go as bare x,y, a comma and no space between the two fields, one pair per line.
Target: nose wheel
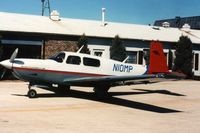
31,93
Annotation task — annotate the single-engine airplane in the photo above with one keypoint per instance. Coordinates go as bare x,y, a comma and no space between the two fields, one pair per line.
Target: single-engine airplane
66,69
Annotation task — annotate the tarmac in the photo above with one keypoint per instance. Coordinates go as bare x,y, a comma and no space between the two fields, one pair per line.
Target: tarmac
165,107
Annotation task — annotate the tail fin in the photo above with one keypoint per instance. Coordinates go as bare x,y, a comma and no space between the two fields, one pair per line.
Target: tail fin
158,63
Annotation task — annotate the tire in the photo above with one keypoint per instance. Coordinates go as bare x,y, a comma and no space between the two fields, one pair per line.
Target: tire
32,93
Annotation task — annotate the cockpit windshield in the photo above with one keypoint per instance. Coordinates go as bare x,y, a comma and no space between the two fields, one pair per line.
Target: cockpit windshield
58,57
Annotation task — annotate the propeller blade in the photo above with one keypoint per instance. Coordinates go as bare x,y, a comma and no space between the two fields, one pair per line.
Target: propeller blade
3,74
14,55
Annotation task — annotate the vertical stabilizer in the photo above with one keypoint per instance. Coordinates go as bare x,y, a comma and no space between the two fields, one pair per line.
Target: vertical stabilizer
158,63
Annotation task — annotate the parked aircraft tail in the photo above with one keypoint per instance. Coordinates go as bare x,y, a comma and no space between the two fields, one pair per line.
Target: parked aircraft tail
158,62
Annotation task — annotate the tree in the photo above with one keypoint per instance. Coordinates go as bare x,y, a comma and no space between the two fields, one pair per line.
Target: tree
117,49
184,56
83,41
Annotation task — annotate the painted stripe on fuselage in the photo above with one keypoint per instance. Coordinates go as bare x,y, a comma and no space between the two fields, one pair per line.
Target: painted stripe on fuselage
60,72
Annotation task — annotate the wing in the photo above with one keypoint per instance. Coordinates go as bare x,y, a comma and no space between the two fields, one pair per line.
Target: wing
92,81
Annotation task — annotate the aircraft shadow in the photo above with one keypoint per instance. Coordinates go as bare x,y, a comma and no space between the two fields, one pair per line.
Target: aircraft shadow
165,92
112,100
144,91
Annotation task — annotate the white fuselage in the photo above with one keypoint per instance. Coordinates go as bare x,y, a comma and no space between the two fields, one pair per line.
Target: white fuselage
72,65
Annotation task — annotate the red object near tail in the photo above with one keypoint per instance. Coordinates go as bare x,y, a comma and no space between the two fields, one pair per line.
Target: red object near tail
158,62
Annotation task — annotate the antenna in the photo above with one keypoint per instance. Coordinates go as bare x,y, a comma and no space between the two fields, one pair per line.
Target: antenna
45,5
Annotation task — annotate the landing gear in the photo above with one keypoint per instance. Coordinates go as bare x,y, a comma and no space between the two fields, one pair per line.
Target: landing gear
61,90
101,91
31,93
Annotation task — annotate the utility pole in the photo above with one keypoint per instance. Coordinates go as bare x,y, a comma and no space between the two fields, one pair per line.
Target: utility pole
45,5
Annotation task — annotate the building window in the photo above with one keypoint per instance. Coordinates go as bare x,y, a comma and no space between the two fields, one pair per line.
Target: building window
196,65
98,52
146,56
91,62
75,60
132,57
140,59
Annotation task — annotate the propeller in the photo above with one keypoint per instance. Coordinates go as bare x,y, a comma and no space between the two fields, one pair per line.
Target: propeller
14,55
11,60
3,73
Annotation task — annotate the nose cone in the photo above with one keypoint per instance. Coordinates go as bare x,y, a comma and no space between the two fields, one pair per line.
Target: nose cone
6,63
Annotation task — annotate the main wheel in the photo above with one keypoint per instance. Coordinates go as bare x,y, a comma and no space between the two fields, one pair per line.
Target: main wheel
32,93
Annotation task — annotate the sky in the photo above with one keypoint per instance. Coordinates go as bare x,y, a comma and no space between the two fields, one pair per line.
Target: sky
123,11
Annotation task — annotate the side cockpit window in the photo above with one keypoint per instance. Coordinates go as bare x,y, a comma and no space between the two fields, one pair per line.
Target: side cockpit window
91,62
76,60
58,57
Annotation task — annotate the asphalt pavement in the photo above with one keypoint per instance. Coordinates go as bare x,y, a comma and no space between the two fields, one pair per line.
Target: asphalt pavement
165,107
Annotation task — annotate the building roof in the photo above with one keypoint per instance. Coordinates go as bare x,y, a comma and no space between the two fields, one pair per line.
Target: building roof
66,26
193,21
